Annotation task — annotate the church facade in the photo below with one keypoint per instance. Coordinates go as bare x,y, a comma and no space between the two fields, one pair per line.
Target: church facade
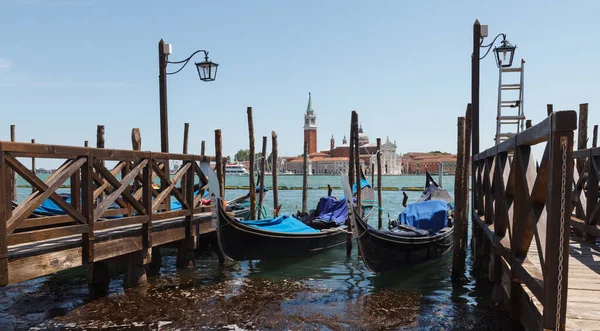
335,159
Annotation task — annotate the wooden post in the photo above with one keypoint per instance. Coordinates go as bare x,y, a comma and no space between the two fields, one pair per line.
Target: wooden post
5,214
186,132
33,170
549,108
475,85
274,173
86,144
457,263
558,202
202,149
13,174
527,124
252,185
162,90
353,127
219,161
357,167
263,161
467,166
595,137
582,136
305,177
329,189
379,193
100,136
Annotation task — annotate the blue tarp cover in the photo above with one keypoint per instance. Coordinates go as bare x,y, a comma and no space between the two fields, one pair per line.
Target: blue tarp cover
429,215
332,209
363,183
283,223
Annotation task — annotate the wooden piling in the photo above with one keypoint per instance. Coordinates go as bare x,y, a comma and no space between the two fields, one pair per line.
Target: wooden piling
186,132
13,174
357,166
582,136
263,161
274,173
353,127
219,162
85,143
528,124
549,108
373,174
595,137
329,189
202,148
457,263
305,177
33,170
100,136
379,193
467,166
252,185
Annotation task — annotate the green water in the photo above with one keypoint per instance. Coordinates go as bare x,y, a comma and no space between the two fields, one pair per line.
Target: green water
324,292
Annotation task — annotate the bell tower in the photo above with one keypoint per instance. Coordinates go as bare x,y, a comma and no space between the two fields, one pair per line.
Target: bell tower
310,127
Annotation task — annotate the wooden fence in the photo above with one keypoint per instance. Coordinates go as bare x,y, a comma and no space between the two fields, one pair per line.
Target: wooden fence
518,204
101,198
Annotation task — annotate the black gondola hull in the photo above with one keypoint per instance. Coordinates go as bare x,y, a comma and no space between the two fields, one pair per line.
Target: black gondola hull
241,242
382,252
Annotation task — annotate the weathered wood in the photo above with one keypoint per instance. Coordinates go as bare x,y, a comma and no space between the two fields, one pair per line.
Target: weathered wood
373,173
528,124
251,184
38,235
263,161
358,167
353,127
41,265
87,209
104,186
202,147
466,168
13,176
33,169
100,143
274,173
595,137
549,109
48,191
135,271
379,193
582,136
186,133
117,247
120,187
164,195
5,214
457,263
305,178
556,266
219,164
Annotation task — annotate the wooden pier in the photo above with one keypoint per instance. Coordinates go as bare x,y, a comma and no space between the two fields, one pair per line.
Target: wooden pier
114,214
535,226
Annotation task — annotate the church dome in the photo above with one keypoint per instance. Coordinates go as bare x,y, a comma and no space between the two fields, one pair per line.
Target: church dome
363,139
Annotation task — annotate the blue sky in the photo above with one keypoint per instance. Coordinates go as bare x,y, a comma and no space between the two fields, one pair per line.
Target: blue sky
69,65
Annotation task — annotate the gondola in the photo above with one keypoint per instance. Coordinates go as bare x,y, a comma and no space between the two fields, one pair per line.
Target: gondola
275,238
423,233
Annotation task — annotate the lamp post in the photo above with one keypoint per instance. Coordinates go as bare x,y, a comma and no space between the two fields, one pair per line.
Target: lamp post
207,71
505,50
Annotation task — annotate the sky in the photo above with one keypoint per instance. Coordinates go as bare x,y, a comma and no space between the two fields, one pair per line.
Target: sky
67,66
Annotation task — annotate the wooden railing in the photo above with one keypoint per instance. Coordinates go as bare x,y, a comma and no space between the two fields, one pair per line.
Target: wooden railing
586,180
517,204
94,190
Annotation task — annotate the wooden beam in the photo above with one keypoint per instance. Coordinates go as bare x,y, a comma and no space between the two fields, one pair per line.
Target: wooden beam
44,234
13,184
252,185
582,136
24,210
457,262
379,193
171,188
5,214
305,177
263,161
274,173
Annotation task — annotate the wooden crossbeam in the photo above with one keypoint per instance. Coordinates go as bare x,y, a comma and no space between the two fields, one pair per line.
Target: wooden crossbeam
138,194
501,200
119,188
46,190
104,186
171,188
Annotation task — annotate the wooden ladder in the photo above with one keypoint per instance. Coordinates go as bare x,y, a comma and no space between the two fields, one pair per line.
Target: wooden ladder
510,118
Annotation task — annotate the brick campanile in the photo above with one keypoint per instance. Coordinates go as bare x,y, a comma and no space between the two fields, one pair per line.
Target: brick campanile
310,127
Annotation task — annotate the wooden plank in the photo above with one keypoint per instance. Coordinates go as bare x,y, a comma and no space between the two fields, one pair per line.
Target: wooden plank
38,235
167,236
5,214
45,221
171,187
117,222
104,185
22,211
41,265
118,247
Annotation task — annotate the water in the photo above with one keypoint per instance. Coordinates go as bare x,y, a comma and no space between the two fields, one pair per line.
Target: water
324,292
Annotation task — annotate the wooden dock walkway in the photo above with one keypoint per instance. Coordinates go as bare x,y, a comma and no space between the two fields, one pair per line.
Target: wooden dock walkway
111,215
535,226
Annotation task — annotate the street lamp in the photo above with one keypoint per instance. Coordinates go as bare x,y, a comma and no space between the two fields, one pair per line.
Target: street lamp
207,71
505,50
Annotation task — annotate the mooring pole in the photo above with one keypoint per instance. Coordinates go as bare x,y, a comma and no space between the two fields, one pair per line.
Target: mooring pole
162,87
373,174
263,161
379,193
33,170
274,173
13,174
353,127
549,108
202,148
595,137
186,133
219,161
475,85
252,185
457,264
305,177
582,136
358,167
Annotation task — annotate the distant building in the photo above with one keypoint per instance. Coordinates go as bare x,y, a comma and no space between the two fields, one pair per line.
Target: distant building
335,159
417,163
